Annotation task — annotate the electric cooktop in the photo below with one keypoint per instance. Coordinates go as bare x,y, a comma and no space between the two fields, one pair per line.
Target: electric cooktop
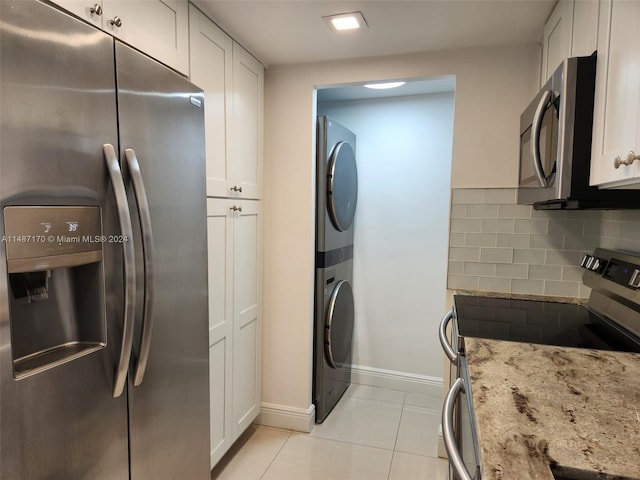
542,322
610,320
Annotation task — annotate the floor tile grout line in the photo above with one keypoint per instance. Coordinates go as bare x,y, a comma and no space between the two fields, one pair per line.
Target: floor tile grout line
395,443
340,441
276,455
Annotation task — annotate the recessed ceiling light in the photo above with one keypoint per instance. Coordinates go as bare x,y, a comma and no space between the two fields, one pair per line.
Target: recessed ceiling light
383,86
346,21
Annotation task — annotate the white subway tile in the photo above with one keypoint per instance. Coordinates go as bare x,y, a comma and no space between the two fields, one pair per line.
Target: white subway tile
563,289
493,284
465,225
497,226
513,240
481,269
462,282
512,270
500,195
532,225
530,256
467,196
545,272
527,286
480,240
466,254
496,255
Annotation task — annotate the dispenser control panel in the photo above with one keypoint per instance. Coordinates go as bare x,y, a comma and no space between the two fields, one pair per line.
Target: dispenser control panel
40,238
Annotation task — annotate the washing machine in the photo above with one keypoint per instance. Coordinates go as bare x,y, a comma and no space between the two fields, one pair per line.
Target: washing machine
336,192
333,336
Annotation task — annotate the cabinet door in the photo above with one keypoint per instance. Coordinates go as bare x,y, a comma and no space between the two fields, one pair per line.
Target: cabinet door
617,97
556,40
248,85
585,28
247,316
85,9
220,258
210,51
158,28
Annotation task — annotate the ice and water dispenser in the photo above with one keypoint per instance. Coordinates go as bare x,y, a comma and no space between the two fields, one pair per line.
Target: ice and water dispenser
56,285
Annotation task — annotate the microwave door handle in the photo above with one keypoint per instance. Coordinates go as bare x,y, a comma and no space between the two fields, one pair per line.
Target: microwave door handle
455,459
536,128
442,333
126,229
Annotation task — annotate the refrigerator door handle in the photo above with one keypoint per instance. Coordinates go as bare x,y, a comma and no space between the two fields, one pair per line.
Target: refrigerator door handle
147,249
129,267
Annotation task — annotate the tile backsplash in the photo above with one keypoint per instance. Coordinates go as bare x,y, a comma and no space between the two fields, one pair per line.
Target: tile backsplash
496,245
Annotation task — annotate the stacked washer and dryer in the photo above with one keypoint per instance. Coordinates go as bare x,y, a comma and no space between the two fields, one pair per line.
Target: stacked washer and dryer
336,192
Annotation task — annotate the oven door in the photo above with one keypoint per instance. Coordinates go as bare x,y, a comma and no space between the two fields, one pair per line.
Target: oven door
458,428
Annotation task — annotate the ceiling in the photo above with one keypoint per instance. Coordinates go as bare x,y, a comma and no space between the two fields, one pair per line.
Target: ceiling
292,31
442,84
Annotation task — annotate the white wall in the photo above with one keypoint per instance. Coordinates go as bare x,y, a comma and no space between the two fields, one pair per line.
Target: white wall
493,85
403,150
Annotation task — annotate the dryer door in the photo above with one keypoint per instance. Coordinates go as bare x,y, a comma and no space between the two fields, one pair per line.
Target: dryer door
339,326
342,186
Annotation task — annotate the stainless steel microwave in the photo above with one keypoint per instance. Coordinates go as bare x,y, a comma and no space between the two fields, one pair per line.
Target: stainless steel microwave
555,144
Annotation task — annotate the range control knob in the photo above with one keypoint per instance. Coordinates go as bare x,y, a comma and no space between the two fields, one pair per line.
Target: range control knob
635,279
586,260
592,263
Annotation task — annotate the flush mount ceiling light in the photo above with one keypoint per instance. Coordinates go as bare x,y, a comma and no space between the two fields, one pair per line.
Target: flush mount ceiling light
346,21
384,86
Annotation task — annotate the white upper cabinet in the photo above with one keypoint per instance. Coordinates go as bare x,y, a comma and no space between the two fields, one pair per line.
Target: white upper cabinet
211,69
616,123
556,38
159,28
248,87
585,28
233,82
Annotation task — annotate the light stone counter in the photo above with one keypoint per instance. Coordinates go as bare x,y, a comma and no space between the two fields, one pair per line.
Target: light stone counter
541,405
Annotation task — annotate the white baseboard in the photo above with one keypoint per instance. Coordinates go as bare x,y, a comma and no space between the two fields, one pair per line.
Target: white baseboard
394,380
287,418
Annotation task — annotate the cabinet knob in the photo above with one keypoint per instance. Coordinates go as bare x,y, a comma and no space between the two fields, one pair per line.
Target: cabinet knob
96,9
116,21
235,188
628,160
236,209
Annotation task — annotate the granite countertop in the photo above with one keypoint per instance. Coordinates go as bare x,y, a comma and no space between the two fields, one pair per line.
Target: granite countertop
522,296
539,405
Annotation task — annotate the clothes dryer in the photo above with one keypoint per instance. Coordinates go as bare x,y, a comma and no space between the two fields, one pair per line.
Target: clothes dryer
337,185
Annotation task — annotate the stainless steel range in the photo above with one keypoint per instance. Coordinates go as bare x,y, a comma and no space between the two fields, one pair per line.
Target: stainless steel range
610,320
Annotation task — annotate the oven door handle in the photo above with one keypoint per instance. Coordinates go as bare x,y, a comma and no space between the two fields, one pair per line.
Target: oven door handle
455,459
536,128
446,346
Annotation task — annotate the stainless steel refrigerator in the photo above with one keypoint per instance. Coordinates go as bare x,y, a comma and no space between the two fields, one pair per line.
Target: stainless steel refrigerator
103,282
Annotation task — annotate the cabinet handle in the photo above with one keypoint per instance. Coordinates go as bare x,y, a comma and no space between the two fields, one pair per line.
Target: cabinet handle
628,160
116,21
235,188
236,209
96,9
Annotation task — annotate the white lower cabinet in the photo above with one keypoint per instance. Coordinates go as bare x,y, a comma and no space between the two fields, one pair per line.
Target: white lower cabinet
234,229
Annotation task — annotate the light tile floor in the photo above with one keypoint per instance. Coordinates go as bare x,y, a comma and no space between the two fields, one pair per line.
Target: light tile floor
372,434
